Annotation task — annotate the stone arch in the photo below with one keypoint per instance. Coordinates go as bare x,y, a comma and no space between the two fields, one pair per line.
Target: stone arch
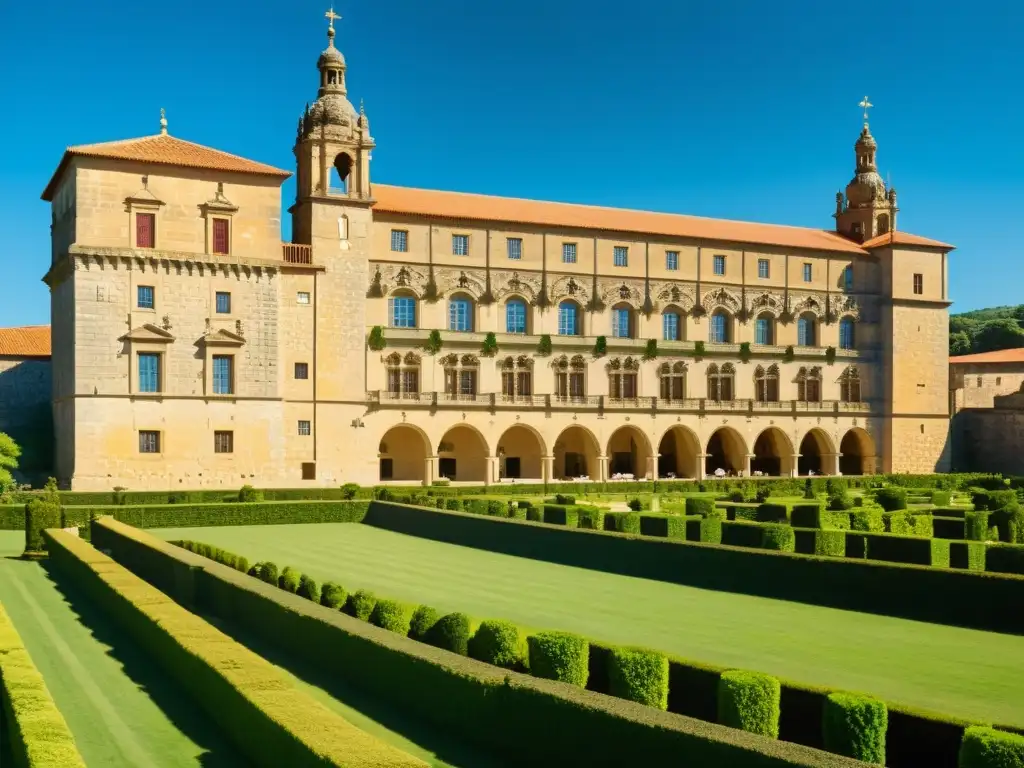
519,300
520,453
679,453
576,451
402,453
817,453
455,320
343,165
629,452
462,454
857,449
725,450
772,453
564,306
624,309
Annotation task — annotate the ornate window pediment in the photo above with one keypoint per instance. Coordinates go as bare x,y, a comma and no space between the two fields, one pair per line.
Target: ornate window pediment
148,334
221,338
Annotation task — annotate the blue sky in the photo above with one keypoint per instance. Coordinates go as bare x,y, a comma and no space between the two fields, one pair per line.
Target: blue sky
730,109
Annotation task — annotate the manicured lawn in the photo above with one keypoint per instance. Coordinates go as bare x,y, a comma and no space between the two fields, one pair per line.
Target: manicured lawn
121,710
950,670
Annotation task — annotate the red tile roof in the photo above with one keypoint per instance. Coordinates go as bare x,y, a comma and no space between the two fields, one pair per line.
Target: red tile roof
1015,355
28,341
905,238
459,205
163,149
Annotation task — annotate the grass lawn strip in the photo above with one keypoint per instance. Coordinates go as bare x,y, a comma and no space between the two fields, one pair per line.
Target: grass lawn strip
958,672
239,689
114,718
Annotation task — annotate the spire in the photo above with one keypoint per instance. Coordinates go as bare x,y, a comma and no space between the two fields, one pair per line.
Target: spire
331,16
163,122
869,207
866,105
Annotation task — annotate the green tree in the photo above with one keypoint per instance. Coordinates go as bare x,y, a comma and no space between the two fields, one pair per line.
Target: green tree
999,334
959,343
9,453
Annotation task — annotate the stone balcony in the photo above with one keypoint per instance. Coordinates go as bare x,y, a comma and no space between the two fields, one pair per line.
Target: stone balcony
493,401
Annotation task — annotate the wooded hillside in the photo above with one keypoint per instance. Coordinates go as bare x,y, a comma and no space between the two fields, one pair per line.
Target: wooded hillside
986,330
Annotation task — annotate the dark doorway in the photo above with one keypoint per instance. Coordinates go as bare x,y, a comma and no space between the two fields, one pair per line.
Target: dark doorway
387,470
446,468
512,467
575,465
622,463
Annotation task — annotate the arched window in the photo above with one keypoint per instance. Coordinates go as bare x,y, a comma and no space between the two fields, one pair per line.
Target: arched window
766,384
569,319
515,316
808,385
460,313
848,278
764,329
517,378
673,381
460,376
720,382
719,331
847,340
570,378
623,326
806,328
403,375
672,324
402,311
343,169
849,385
883,224
622,378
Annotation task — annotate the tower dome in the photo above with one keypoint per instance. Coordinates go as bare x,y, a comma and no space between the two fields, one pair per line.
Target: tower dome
332,107
869,207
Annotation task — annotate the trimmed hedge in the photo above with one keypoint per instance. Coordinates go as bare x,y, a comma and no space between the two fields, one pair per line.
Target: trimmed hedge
663,526
778,537
590,518
941,498
423,620
938,595
289,579
360,604
976,525
639,675
867,519
559,656
855,726
771,513
826,543
707,529
749,701
271,721
989,748
333,596
555,514
816,516
1005,558
40,514
949,527
700,505
450,632
222,556
308,588
969,555
891,499
498,643
258,513
36,733
622,522
892,548
390,615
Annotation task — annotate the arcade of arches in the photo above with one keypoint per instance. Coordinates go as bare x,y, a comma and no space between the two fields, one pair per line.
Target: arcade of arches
520,453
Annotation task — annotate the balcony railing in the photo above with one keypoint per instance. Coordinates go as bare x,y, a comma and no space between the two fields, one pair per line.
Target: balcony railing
600,403
296,253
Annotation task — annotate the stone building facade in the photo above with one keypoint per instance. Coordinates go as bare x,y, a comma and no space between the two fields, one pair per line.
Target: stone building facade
25,398
986,396
406,335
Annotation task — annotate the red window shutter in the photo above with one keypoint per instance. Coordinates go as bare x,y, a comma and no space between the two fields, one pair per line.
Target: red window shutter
220,235
144,226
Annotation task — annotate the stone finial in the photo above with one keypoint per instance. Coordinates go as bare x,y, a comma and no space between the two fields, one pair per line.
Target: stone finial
163,121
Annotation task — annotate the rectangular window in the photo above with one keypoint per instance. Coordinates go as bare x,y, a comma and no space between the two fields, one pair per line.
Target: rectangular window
149,372
145,230
460,315
460,382
460,245
719,264
149,441
146,297
620,256
515,317
514,245
309,470
223,375
402,311
223,442
410,381
304,428
620,323
763,269
302,370
670,326
672,260
302,297
808,273
399,240
848,279
220,236
568,253
918,284
223,303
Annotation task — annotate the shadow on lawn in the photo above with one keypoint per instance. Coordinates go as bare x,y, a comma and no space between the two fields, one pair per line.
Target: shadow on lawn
426,736
174,702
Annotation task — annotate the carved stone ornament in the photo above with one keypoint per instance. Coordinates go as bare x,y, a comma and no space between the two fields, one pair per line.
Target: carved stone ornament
721,298
612,293
461,280
681,296
388,277
767,302
508,283
569,287
845,306
809,303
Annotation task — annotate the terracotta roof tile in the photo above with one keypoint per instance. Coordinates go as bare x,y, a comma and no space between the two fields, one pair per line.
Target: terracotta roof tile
164,149
905,238
1015,355
28,341
459,205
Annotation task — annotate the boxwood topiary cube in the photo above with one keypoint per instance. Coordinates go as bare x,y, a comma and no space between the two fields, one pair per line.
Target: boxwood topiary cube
559,656
639,675
390,615
749,701
423,619
289,579
779,537
333,595
976,526
891,499
361,604
855,726
867,519
771,513
497,643
451,632
988,748
268,573
699,505
308,589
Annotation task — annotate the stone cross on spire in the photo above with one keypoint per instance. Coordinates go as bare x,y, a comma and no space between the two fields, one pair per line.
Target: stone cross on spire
331,17
865,105
163,122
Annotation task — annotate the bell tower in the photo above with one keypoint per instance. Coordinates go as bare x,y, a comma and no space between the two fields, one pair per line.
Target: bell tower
868,209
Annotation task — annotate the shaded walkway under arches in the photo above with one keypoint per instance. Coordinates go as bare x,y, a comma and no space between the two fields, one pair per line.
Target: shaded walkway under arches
679,453
773,454
462,455
629,451
403,452
520,453
816,454
726,450
576,451
858,453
